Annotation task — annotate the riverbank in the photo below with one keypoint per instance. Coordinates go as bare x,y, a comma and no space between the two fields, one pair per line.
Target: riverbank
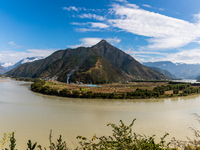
71,117
4,79
129,90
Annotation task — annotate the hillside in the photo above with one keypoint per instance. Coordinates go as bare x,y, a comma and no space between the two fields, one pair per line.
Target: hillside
61,62
125,62
31,69
98,70
2,70
165,72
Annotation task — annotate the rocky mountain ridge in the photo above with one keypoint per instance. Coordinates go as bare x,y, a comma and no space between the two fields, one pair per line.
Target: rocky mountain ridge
92,62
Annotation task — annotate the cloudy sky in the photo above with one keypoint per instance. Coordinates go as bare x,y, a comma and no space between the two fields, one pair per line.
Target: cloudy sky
148,30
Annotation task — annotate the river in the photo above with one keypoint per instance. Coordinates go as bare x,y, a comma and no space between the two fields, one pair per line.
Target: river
33,115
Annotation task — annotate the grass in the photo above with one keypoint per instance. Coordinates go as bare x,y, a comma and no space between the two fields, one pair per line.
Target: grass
108,88
85,89
49,83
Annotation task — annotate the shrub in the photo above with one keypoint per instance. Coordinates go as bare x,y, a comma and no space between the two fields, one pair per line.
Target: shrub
175,91
65,93
75,93
123,138
54,92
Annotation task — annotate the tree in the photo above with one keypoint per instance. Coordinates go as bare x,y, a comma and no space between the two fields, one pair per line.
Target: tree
175,91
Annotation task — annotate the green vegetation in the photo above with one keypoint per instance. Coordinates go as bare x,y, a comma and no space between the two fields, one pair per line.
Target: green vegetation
149,81
97,70
58,145
24,79
122,138
183,89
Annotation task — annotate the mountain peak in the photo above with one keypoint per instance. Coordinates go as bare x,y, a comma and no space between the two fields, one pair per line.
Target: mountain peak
106,54
102,42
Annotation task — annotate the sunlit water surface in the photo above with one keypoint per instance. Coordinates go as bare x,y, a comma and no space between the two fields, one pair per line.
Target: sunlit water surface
33,115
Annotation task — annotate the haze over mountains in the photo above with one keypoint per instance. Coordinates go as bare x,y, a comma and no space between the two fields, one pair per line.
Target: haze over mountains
180,70
100,63
165,72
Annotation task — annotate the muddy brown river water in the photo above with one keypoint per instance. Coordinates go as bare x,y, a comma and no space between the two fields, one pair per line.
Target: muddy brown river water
33,115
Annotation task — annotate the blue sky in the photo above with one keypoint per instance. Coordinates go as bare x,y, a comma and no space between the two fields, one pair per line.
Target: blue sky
156,30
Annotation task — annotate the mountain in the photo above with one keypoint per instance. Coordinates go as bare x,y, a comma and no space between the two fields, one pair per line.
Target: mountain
180,70
165,72
197,78
97,69
99,63
3,70
25,60
125,62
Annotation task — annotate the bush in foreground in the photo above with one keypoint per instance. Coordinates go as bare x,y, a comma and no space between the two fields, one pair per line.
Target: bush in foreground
122,138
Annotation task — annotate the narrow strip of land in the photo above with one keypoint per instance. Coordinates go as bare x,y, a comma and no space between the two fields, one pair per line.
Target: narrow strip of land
126,90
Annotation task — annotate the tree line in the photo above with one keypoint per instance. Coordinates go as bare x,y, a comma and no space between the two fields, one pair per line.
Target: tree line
40,87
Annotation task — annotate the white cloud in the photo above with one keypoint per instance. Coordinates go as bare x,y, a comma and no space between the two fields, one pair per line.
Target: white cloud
132,6
113,40
90,26
86,30
191,56
7,64
147,52
164,32
79,24
185,56
132,52
71,8
197,18
99,25
124,1
11,57
12,43
92,16
88,42
146,6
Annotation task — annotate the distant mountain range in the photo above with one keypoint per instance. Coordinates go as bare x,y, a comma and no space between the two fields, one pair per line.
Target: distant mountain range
97,64
25,60
107,57
165,72
180,70
3,70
